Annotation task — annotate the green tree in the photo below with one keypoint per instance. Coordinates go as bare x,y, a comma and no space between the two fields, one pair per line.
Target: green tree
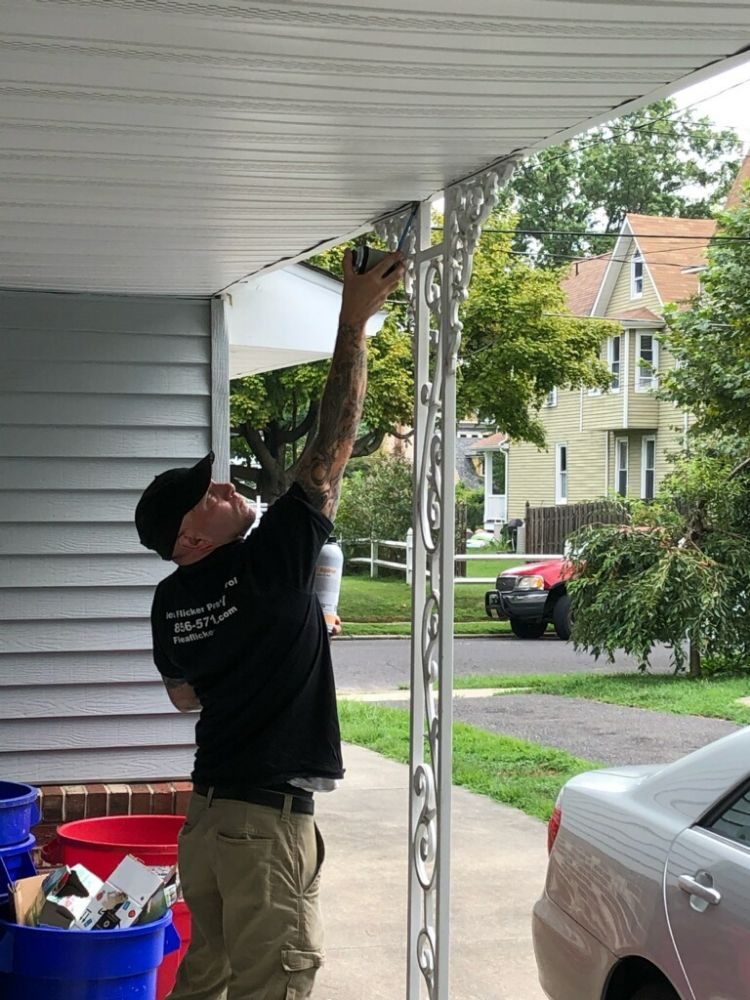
680,576
677,575
273,414
711,340
473,500
376,500
656,161
519,343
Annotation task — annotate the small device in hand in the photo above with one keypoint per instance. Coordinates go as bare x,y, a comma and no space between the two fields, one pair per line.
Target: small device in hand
365,258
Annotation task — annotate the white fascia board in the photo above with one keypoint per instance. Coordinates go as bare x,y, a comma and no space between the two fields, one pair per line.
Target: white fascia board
619,260
641,324
282,318
491,447
612,273
256,360
647,271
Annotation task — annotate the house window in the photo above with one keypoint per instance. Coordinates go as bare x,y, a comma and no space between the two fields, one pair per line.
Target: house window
636,275
614,360
647,359
561,473
648,467
551,399
621,466
498,474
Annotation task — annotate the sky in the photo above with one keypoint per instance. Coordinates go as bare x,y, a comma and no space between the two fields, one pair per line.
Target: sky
729,109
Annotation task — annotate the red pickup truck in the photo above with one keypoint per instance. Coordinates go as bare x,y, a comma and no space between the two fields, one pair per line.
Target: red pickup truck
531,597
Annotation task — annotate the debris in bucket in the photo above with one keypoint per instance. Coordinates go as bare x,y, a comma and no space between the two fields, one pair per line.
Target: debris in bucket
75,898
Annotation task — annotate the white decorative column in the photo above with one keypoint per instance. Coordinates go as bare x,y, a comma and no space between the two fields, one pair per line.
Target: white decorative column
437,285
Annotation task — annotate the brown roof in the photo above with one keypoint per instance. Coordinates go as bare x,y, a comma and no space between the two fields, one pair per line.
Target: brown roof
638,314
491,441
742,178
583,282
668,246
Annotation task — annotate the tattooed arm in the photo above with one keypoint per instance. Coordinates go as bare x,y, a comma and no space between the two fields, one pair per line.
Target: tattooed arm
182,695
321,467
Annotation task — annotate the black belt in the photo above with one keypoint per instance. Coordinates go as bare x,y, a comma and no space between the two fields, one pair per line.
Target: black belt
259,797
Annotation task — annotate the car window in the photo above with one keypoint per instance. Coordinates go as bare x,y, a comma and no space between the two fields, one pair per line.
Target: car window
734,820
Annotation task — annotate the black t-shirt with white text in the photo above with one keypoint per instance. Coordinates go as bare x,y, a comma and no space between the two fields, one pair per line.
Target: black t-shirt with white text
243,626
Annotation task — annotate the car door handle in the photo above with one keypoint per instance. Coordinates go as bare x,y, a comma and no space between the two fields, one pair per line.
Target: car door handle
693,887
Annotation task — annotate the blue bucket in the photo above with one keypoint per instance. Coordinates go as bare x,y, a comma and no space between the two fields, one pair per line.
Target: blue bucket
19,811
15,862
55,964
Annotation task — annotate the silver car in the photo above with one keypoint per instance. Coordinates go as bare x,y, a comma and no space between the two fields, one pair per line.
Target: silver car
648,885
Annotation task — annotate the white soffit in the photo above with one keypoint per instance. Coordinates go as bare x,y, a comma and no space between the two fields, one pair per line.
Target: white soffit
284,317
173,146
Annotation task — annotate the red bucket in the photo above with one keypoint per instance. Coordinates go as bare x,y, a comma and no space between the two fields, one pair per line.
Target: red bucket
100,845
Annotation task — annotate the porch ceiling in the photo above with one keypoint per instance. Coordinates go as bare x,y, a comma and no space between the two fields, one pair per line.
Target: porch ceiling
173,146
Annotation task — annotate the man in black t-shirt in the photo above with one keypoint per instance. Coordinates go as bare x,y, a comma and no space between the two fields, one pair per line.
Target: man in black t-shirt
239,636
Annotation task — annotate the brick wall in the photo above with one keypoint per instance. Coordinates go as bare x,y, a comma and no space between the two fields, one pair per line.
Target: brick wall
65,803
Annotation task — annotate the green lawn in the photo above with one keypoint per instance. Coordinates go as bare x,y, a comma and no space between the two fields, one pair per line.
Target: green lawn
490,567
366,605
714,698
511,771
485,627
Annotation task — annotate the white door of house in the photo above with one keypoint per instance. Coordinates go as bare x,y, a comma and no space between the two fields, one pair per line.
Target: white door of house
495,494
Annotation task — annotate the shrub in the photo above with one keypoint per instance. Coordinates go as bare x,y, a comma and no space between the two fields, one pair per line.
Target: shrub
474,500
376,500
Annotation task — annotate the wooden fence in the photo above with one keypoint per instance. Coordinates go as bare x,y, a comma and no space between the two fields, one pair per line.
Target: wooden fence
548,528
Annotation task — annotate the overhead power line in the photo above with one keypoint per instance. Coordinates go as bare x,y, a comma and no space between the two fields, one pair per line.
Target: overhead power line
616,133
583,260
611,236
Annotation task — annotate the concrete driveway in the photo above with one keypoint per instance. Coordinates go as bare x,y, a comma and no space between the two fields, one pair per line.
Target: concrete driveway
499,863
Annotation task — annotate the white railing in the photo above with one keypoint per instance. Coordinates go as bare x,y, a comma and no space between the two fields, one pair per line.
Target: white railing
375,562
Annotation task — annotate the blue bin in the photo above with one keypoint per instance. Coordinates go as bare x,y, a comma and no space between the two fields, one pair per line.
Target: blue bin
47,963
19,811
15,862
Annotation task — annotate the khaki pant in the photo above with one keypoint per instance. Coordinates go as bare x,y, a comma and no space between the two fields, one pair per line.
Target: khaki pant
251,878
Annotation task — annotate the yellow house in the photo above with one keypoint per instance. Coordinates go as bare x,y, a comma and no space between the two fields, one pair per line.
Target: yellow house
618,441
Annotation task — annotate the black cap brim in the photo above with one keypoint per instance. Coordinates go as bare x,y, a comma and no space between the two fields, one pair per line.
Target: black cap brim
167,500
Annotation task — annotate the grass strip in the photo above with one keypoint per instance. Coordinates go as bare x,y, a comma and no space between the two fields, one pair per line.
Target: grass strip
404,628
514,772
389,600
713,698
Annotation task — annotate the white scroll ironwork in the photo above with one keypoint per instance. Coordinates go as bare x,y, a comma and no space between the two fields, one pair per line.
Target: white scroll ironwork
437,281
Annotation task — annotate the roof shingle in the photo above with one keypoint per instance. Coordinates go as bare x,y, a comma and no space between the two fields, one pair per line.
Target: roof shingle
669,245
581,286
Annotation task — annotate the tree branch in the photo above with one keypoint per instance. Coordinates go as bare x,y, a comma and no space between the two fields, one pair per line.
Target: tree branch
367,444
402,437
295,433
742,467
256,442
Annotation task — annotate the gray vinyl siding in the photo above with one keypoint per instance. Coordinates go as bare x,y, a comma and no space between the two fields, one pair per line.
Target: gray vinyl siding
98,394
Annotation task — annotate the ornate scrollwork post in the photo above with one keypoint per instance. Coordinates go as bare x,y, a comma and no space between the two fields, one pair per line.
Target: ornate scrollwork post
437,285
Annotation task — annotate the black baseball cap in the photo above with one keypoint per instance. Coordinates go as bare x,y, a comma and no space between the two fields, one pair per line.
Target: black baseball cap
166,501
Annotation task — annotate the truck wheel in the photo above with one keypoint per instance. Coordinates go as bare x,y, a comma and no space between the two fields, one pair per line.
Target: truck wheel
562,617
527,630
